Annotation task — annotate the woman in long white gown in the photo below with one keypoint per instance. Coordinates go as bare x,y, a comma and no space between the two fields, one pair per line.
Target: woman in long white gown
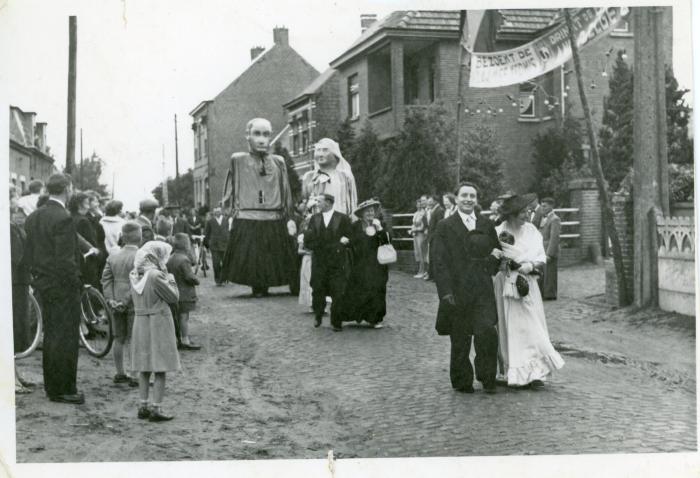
526,354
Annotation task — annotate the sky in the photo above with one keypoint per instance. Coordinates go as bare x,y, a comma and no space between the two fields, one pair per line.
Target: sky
142,62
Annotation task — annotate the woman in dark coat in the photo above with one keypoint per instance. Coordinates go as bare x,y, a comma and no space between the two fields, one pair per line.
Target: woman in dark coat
79,205
365,298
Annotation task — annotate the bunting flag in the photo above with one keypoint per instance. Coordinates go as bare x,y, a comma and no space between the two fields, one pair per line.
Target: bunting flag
549,51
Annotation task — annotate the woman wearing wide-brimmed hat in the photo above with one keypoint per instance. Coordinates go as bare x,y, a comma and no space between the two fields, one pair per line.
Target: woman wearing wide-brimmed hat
365,299
527,357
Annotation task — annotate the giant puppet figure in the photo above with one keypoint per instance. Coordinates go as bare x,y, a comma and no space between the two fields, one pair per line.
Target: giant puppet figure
259,252
331,175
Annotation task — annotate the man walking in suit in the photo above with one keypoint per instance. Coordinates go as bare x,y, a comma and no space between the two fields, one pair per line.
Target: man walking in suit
54,258
550,229
435,213
327,237
465,254
216,234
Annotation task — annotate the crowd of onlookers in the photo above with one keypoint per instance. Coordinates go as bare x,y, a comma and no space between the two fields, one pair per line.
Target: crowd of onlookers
143,263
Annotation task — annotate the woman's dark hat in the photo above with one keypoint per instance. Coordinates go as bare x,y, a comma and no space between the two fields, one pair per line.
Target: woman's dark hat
515,204
365,205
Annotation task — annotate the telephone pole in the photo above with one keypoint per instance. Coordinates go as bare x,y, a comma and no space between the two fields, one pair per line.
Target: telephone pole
165,182
72,61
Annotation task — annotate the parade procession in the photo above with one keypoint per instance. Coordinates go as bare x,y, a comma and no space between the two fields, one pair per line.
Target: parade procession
469,233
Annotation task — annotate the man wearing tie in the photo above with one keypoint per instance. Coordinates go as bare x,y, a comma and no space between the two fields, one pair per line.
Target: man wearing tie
327,237
465,254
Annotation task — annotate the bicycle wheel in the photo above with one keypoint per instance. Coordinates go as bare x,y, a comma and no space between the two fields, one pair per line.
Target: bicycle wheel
35,324
96,332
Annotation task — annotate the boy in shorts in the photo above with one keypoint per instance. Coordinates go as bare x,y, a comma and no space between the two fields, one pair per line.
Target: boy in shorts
117,292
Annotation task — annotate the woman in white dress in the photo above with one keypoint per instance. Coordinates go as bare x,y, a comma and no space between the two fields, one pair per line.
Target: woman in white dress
527,356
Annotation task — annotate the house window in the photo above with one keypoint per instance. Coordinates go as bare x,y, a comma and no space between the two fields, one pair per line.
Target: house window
527,100
196,145
379,80
304,141
295,145
622,27
353,97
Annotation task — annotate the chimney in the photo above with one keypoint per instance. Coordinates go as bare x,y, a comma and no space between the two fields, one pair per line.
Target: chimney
366,20
255,52
40,137
281,36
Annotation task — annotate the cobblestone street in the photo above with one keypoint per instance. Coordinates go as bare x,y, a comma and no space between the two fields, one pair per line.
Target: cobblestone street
267,384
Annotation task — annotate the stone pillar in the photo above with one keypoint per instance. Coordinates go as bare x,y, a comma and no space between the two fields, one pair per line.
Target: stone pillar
584,196
397,86
650,148
624,223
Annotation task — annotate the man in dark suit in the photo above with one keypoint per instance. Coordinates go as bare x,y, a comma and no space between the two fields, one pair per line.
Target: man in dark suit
54,259
465,254
327,237
216,234
550,227
435,213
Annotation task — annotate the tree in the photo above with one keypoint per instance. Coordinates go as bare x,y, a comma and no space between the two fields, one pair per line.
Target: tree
365,156
480,163
418,160
346,137
292,175
87,175
558,159
616,133
180,191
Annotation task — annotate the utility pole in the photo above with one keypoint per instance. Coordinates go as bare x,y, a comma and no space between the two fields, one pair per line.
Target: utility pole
650,190
177,163
82,183
463,57
164,188
72,60
597,169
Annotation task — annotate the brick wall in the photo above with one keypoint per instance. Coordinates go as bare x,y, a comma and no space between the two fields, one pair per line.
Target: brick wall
624,223
327,112
359,67
584,196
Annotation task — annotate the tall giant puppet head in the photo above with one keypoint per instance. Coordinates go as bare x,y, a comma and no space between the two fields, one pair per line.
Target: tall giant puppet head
327,153
258,134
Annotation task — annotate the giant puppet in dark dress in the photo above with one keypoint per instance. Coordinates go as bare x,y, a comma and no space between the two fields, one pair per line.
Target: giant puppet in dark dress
259,252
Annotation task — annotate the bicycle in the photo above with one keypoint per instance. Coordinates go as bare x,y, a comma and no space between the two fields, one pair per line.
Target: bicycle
95,330
35,324
200,253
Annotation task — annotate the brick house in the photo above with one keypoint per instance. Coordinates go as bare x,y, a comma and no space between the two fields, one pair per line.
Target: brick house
313,114
410,59
274,76
30,156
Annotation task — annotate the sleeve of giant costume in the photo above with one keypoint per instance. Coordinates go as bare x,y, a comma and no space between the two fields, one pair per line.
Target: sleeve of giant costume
352,192
227,195
287,199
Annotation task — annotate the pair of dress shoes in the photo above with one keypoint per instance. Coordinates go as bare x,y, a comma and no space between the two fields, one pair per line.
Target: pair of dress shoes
123,378
153,415
70,398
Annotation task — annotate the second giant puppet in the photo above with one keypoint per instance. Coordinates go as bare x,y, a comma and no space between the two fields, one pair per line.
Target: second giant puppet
259,253
331,175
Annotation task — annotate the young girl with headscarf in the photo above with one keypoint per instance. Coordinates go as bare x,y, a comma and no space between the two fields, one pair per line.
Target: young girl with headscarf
153,343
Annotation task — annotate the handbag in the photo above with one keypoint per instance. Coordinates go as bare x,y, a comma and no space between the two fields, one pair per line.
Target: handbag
386,254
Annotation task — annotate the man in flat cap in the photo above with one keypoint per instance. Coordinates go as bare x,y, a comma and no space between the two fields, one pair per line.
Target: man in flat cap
327,236
260,253
147,213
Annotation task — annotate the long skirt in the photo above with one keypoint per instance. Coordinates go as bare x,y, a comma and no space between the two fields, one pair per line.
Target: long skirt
420,248
305,291
525,352
153,343
259,254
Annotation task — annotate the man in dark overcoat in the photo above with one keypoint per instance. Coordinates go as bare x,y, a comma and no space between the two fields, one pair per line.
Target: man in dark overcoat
327,236
54,258
465,254
435,213
216,234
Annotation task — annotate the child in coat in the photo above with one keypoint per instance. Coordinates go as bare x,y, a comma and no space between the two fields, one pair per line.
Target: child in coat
153,344
180,265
